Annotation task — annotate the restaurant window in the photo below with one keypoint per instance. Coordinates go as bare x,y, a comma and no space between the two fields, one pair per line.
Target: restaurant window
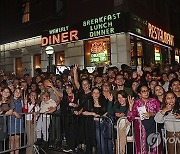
97,52
37,61
136,52
19,66
25,11
60,58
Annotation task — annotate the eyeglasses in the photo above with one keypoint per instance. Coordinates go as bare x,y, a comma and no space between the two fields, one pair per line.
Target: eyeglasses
144,91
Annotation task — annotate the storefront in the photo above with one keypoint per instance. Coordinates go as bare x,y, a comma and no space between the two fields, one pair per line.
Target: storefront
145,43
113,39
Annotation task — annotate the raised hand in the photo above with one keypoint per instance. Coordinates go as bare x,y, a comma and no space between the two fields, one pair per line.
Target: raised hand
167,108
25,98
75,67
110,97
131,102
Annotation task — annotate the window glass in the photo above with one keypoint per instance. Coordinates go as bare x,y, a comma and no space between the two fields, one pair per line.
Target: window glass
26,12
37,61
60,58
19,66
97,52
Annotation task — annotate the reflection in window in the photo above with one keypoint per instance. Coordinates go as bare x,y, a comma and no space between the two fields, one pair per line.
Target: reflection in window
136,52
139,49
25,12
60,58
97,52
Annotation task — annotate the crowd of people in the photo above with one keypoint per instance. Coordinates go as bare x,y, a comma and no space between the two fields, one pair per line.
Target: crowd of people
153,94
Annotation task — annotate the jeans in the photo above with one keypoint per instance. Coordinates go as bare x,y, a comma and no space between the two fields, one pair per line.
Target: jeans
104,144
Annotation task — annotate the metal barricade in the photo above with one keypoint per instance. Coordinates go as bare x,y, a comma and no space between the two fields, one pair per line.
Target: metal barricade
77,133
133,140
14,132
171,139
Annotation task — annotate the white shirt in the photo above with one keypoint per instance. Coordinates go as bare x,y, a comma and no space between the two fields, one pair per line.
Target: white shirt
30,110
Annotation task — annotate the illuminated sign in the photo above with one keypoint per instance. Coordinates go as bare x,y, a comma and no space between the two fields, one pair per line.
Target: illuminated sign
157,54
102,25
95,27
60,38
160,35
99,52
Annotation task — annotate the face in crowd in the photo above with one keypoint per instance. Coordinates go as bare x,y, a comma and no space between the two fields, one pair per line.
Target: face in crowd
122,99
164,77
144,92
120,80
158,90
152,84
95,93
85,85
135,84
24,85
69,89
6,93
170,99
17,93
106,87
175,87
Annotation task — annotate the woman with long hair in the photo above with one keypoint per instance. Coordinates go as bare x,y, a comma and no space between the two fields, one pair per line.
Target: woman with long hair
168,115
159,93
31,106
16,122
96,108
6,108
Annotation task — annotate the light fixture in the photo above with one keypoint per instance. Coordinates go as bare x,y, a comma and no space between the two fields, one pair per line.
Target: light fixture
49,50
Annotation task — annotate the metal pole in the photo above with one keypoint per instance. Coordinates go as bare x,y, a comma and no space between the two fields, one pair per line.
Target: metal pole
50,64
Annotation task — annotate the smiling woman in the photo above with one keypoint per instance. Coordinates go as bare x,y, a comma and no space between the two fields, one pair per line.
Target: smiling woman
151,107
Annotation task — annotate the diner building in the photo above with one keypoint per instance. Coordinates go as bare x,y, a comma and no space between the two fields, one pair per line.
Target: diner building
113,39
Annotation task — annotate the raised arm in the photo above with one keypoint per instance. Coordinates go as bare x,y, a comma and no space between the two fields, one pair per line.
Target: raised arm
77,84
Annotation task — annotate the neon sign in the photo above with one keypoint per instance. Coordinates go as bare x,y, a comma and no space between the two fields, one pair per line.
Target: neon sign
100,26
60,38
160,35
98,52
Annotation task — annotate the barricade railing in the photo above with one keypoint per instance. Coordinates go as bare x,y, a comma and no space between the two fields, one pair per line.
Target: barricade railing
13,133
84,133
135,137
58,132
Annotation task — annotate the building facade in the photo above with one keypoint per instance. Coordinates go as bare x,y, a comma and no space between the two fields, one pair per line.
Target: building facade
87,35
